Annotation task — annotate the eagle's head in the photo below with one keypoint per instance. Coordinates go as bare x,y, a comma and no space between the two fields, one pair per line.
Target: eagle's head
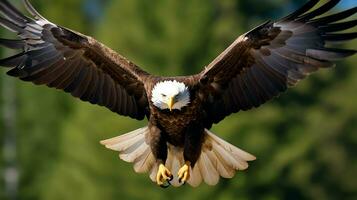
170,95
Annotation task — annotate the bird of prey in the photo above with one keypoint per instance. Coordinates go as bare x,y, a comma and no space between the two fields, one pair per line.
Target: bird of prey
176,146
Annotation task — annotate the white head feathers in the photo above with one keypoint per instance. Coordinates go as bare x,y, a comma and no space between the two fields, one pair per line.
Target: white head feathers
166,90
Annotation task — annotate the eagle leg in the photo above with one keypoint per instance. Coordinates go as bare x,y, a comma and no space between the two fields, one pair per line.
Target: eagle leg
184,172
163,176
158,147
192,150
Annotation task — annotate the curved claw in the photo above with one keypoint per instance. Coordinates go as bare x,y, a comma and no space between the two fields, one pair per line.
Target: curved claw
171,178
168,182
166,185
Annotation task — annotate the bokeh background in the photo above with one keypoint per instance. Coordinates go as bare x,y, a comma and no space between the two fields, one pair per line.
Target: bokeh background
305,140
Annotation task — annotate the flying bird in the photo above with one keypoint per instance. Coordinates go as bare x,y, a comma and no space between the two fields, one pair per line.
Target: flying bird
176,146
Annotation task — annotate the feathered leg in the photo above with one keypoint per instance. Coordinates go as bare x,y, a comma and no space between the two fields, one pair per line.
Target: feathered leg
192,150
158,147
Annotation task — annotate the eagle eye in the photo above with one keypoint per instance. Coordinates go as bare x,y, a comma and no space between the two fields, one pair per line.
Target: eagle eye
163,95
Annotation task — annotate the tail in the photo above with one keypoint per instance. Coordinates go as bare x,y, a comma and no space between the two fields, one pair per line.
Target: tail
218,157
133,148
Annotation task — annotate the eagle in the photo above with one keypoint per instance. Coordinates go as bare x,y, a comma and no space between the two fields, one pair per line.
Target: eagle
177,146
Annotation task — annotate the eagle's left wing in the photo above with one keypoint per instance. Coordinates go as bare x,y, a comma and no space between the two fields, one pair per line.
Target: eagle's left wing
264,62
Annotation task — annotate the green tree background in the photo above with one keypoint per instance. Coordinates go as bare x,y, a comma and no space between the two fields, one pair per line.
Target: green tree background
305,140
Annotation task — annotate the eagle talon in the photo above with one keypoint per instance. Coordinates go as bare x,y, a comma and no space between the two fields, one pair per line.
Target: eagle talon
165,185
163,176
184,173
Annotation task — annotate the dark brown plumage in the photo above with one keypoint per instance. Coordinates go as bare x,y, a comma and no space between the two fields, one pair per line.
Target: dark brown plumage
258,66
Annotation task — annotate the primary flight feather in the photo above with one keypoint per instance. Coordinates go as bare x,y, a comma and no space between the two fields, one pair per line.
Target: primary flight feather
177,147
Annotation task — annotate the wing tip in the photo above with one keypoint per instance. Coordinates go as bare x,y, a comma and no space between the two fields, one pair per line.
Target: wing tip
303,9
32,10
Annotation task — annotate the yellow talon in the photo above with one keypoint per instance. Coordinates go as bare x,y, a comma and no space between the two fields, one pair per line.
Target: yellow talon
184,172
163,175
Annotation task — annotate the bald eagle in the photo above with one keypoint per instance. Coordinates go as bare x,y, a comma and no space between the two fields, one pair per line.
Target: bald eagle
176,146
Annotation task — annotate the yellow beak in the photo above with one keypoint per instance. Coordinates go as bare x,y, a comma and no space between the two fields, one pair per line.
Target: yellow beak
171,103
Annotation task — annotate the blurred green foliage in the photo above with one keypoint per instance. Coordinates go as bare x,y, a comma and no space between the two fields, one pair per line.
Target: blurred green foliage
305,140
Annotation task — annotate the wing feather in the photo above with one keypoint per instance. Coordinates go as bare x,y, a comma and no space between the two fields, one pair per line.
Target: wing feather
319,11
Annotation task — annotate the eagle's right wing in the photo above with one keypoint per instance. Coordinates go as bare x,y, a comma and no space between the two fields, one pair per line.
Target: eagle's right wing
58,57
264,62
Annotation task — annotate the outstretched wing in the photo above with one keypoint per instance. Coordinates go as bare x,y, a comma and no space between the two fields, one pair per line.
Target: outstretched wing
264,62
60,58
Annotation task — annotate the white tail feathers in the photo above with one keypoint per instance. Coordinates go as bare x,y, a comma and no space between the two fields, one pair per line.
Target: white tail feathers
133,148
218,157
